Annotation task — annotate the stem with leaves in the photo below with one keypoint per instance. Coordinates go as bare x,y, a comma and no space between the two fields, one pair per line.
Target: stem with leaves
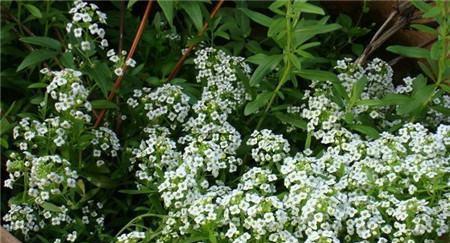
286,59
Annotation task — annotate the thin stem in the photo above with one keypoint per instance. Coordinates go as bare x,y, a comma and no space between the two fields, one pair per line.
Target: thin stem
138,218
119,79
190,47
285,76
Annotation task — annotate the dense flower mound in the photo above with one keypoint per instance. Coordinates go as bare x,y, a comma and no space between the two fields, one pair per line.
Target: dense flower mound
389,189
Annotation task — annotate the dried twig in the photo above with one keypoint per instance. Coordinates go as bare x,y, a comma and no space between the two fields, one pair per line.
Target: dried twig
119,79
404,13
190,47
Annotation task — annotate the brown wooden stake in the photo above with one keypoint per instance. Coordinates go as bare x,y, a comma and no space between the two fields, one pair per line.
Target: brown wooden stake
119,79
6,237
190,47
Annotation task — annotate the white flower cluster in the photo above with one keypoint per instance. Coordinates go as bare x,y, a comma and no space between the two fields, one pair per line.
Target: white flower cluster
208,145
268,147
324,116
50,176
221,91
105,142
372,191
85,26
28,133
132,237
69,93
166,102
32,218
155,154
120,61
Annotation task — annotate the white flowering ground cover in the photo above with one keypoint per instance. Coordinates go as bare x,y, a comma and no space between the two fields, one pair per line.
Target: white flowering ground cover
354,157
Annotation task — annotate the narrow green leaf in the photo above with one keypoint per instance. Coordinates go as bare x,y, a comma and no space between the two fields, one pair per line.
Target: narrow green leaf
260,101
67,60
424,28
257,17
136,192
445,87
131,3
436,50
317,75
308,8
168,10
407,51
395,99
259,58
50,207
101,74
432,12
103,104
291,119
37,85
36,57
317,29
42,41
366,130
34,11
269,64
195,13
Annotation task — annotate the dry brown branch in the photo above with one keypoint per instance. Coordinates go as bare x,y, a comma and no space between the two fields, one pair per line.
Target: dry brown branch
190,47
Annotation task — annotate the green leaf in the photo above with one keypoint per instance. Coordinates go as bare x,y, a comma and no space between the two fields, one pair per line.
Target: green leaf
103,104
42,41
260,101
268,65
101,74
259,58
34,11
291,119
37,85
445,87
317,29
67,60
257,17
424,28
407,51
195,13
432,12
131,3
358,88
308,8
136,192
437,49
317,75
370,102
421,5
295,60
35,57
50,207
366,130
168,9
418,102
101,181
395,99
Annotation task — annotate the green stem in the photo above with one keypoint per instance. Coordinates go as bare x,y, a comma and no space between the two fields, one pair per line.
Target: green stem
443,35
287,53
138,218
47,9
